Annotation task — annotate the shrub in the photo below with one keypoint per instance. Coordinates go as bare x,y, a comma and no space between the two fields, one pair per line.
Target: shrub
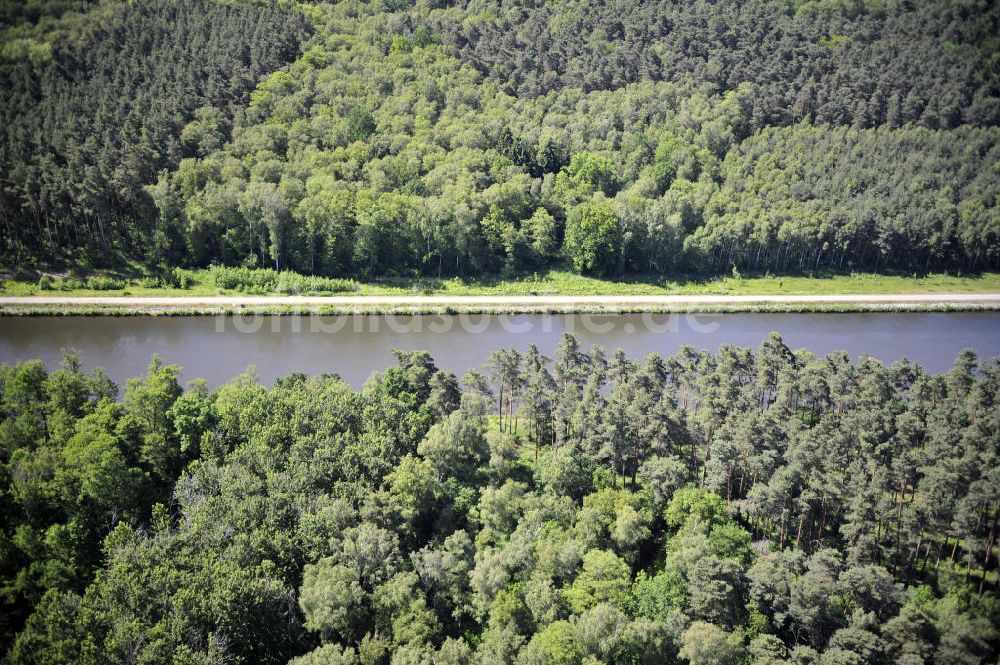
247,280
46,283
290,282
180,278
183,279
266,280
99,283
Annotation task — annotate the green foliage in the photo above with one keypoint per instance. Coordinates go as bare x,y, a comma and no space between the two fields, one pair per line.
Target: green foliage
456,447
565,471
265,280
331,600
309,522
906,54
705,644
104,284
557,644
101,100
692,503
592,238
657,596
604,578
758,224
586,174
414,139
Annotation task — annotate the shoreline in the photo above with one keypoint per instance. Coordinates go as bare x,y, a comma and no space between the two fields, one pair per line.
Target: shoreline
413,305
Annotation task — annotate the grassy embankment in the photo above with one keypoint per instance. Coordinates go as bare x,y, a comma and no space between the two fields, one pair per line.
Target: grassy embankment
206,283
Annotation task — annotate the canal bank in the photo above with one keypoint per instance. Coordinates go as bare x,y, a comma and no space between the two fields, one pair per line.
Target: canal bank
432,304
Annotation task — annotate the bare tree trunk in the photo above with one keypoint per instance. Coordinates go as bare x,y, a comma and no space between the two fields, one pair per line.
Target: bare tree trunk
937,559
500,405
822,521
989,547
635,463
899,521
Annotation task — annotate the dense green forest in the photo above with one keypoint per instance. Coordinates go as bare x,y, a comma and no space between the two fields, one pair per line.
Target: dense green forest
98,100
855,62
743,507
749,507
463,138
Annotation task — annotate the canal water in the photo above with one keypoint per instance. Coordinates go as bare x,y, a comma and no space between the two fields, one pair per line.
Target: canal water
219,347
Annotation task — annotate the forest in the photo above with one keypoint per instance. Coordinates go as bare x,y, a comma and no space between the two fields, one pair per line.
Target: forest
732,507
96,101
397,138
743,507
